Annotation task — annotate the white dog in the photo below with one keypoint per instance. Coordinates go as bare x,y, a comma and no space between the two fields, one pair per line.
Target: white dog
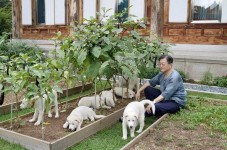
76,117
109,97
133,82
104,100
134,114
39,108
119,91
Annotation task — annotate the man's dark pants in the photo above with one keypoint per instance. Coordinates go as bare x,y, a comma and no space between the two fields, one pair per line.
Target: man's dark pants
163,107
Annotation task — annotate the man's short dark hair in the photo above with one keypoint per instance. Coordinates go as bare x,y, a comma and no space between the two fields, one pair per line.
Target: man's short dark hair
167,57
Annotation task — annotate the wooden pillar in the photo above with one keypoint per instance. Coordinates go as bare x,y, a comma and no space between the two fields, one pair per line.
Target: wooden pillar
73,15
157,11
16,18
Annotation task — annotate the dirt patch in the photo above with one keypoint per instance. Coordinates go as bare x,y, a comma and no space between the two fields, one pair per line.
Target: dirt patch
53,127
176,135
172,135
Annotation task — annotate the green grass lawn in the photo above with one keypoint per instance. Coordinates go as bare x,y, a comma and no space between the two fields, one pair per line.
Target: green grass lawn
108,139
198,111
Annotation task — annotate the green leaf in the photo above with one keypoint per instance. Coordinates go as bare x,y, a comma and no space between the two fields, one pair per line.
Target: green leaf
82,57
126,71
107,41
96,51
51,96
55,63
93,70
103,67
66,74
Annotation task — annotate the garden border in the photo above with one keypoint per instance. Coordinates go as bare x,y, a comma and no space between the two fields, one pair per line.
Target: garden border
144,133
64,142
78,136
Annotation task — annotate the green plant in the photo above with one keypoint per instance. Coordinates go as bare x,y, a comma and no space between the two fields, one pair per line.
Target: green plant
148,73
183,74
5,16
109,48
207,78
221,81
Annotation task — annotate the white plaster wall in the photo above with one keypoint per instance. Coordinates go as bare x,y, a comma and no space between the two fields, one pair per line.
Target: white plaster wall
196,60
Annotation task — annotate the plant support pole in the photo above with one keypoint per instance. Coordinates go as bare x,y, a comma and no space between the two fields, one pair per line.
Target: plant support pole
43,128
11,116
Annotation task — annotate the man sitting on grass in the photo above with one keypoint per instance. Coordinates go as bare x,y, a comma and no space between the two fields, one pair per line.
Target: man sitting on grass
171,96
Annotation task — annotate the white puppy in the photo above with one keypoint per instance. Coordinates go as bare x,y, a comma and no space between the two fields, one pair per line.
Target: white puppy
76,117
133,82
104,100
109,96
134,114
39,108
123,92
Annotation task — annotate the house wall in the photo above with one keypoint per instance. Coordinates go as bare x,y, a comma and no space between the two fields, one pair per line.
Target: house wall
35,30
195,60
192,33
74,15
197,48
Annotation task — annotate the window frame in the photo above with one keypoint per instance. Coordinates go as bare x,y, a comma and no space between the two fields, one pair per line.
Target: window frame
44,24
36,8
204,21
98,8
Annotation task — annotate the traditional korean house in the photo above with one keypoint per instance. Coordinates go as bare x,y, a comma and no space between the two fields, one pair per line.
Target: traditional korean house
197,28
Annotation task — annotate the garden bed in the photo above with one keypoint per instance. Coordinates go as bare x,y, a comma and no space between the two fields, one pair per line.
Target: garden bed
55,137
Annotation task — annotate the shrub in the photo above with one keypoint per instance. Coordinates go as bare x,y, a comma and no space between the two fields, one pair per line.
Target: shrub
5,16
183,74
207,78
221,81
148,73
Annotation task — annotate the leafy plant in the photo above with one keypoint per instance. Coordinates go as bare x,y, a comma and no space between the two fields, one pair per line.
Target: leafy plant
221,81
148,73
183,74
207,78
5,16
111,47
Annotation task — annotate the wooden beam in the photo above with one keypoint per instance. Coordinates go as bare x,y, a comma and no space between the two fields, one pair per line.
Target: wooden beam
34,22
16,18
80,11
157,11
73,14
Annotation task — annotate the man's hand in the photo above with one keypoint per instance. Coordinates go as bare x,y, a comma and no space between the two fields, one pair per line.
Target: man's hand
148,109
138,96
